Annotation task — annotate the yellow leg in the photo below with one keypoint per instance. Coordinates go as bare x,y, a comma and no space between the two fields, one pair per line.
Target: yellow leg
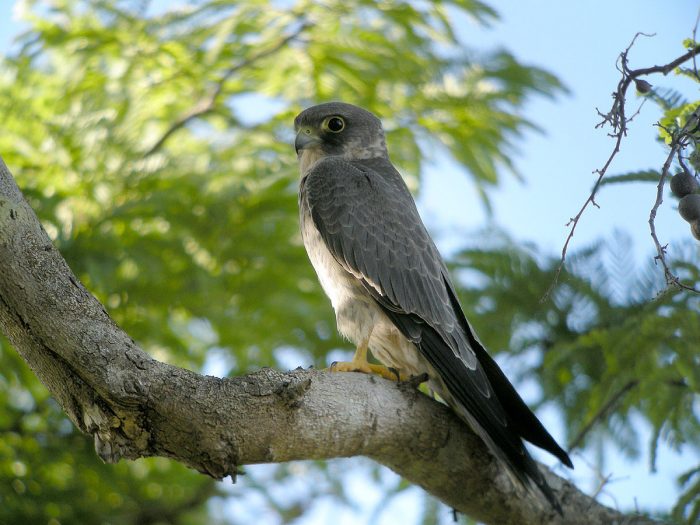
359,363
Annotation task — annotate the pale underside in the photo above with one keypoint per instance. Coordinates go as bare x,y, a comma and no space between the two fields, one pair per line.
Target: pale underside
358,316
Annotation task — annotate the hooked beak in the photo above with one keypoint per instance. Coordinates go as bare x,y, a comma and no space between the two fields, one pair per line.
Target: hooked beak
305,139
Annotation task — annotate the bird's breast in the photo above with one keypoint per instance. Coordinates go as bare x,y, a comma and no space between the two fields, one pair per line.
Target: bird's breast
358,316
308,157
355,311
339,284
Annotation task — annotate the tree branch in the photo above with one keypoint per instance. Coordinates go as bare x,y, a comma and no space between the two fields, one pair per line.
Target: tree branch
602,413
135,406
207,104
617,120
677,144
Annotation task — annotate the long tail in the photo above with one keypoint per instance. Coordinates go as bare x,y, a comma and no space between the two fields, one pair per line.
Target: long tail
469,393
471,382
504,441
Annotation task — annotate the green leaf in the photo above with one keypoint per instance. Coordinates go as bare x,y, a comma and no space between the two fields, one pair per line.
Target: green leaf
635,176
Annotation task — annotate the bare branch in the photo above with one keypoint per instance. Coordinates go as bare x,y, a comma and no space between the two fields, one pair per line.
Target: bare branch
601,413
677,144
135,406
618,121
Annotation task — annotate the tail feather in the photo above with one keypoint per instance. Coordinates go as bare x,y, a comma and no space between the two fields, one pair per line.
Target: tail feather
479,392
456,384
504,442
521,418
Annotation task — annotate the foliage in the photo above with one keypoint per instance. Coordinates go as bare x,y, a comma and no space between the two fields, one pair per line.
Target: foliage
155,147
636,176
614,344
680,422
600,347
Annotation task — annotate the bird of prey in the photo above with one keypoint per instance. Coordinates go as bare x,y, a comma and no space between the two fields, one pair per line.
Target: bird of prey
390,289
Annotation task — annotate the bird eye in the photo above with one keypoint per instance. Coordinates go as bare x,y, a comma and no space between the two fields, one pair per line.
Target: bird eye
334,124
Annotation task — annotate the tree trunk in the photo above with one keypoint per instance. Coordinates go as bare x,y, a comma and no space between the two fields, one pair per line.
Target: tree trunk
135,406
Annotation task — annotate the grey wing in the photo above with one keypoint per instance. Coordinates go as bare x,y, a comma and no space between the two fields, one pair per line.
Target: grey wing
368,220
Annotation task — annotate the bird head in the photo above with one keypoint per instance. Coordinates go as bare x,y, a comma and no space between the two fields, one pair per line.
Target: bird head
337,129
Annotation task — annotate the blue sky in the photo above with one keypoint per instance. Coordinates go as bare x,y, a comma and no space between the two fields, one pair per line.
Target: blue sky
579,42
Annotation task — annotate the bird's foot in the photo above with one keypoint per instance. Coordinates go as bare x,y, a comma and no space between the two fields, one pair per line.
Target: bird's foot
367,368
415,381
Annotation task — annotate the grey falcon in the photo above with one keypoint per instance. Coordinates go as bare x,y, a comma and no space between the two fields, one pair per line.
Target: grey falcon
390,288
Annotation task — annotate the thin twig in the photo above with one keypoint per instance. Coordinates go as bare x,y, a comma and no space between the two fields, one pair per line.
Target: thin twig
603,482
618,121
677,143
207,103
602,413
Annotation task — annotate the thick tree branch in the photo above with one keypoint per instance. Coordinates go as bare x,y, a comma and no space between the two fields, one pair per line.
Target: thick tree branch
135,406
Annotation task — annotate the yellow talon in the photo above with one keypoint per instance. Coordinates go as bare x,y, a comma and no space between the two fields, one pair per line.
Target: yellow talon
359,363
367,368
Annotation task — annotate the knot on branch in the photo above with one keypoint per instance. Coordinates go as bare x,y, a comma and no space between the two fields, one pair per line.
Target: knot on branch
292,389
115,437
290,386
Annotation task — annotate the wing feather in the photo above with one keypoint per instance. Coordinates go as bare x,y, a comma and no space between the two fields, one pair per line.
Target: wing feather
371,226
368,220
384,243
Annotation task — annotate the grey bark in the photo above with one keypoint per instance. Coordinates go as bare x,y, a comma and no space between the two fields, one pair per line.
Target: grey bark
135,406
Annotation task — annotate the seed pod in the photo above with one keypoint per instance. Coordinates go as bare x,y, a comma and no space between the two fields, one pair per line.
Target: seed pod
683,183
642,86
689,207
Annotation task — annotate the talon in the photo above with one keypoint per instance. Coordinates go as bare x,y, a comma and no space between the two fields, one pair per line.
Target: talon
416,381
359,363
366,368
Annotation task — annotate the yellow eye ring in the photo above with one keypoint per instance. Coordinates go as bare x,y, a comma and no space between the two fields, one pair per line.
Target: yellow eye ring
334,124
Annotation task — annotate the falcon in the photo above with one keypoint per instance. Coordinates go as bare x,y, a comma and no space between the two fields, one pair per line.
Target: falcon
390,288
